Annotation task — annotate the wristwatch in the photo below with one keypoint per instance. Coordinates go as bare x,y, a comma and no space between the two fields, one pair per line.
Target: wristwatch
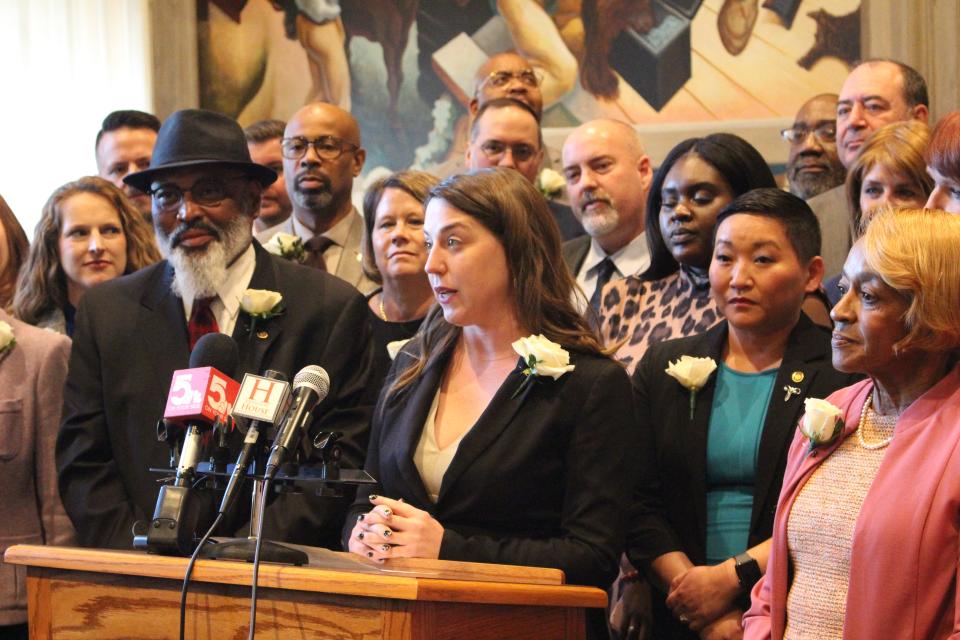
748,571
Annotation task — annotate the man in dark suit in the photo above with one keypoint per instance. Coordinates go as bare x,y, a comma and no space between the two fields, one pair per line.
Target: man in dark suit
608,176
134,332
506,133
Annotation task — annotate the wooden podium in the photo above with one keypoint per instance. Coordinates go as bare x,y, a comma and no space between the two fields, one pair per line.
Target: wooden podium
89,593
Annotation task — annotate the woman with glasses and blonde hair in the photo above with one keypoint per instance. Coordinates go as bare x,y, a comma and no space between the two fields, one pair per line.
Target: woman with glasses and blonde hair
89,232
865,539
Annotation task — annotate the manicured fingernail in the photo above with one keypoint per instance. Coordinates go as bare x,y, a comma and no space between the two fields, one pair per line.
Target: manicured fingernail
387,512
361,517
369,554
373,496
387,533
360,536
384,548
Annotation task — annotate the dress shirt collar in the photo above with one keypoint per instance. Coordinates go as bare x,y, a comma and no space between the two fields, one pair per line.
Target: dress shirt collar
630,260
338,233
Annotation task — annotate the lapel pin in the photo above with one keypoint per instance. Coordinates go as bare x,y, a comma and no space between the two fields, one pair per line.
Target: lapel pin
263,335
797,376
791,391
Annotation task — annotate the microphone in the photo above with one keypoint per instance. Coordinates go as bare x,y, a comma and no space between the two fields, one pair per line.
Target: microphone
310,386
264,400
202,395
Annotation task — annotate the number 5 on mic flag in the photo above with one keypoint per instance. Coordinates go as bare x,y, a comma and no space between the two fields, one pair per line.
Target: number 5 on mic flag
200,394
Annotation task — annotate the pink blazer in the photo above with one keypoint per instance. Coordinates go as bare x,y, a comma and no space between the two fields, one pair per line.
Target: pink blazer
903,567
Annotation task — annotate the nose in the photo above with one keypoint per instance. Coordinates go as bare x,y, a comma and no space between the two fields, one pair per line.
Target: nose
843,310
507,159
741,275
311,158
188,209
855,116
434,264
681,212
936,199
810,143
96,242
400,233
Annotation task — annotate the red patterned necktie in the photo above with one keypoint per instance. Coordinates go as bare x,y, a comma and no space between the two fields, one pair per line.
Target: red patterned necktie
202,320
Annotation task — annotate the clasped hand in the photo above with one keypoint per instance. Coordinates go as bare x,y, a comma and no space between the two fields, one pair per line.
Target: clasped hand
395,529
702,594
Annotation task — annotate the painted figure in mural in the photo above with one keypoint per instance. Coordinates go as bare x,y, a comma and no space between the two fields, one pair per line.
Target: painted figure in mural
317,26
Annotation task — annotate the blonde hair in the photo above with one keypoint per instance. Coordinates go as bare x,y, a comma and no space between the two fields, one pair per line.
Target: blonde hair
899,147
914,251
42,286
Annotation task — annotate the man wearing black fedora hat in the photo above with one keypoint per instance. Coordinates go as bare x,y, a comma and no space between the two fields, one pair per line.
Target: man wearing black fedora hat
131,336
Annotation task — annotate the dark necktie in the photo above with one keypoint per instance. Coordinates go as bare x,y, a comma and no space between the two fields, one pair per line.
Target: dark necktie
315,247
605,270
202,320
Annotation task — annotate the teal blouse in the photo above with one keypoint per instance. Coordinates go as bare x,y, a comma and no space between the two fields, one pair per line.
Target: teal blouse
736,422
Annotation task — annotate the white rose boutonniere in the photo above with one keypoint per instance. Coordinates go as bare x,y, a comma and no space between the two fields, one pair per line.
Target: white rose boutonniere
7,341
692,373
286,245
261,304
550,183
822,422
542,358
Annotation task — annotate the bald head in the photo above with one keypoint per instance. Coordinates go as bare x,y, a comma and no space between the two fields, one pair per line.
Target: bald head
506,75
608,176
320,181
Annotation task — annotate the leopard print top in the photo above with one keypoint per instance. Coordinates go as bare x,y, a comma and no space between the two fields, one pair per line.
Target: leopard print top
646,312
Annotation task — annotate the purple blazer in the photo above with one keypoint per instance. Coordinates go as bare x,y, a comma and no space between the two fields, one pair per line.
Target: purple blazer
903,565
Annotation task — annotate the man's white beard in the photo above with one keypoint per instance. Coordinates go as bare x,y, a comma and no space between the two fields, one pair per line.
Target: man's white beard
199,273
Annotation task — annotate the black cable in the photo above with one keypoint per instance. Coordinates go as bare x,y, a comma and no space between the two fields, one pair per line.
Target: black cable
256,554
186,577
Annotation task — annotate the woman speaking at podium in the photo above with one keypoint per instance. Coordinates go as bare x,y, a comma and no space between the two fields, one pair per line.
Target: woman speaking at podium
503,432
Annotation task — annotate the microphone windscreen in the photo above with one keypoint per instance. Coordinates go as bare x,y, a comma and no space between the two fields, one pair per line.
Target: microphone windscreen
313,377
216,350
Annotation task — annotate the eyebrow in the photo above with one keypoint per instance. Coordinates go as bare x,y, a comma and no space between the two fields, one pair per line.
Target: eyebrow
863,99
755,245
448,227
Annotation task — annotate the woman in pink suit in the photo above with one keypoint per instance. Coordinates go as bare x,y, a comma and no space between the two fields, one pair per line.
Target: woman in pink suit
865,540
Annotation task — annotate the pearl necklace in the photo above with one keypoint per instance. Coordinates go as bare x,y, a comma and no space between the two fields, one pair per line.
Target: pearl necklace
872,446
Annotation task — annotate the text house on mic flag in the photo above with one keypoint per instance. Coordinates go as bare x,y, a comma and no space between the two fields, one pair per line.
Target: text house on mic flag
261,398
201,393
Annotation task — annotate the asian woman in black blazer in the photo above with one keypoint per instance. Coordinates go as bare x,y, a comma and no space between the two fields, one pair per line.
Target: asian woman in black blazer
481,455
710,482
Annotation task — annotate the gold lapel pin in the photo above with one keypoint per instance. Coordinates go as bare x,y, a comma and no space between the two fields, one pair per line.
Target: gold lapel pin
797,376
263,335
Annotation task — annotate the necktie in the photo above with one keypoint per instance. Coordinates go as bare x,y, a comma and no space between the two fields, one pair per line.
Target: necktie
202,320
605,270
315,247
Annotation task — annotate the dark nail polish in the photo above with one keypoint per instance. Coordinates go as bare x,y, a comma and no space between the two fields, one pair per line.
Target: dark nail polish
360,536
384,548
387,533
386,512
373,496
369,554
361,517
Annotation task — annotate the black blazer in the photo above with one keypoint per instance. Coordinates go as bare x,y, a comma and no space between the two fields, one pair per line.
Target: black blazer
575,252
671,511
542,479
131,335
568,224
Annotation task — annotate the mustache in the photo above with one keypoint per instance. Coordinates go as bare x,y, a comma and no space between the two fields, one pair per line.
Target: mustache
325,181
590,198
177,236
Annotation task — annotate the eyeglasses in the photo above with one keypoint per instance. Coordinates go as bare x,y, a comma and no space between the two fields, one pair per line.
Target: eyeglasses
206,192
327,147
825,132
494,150
528,77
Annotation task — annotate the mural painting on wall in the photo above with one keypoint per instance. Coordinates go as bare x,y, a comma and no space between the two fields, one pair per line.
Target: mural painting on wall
405,68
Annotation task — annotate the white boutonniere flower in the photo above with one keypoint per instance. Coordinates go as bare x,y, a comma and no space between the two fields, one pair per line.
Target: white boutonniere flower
288,246
261,304
822,422
541,357
393,348
692,373
7,341
550,183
